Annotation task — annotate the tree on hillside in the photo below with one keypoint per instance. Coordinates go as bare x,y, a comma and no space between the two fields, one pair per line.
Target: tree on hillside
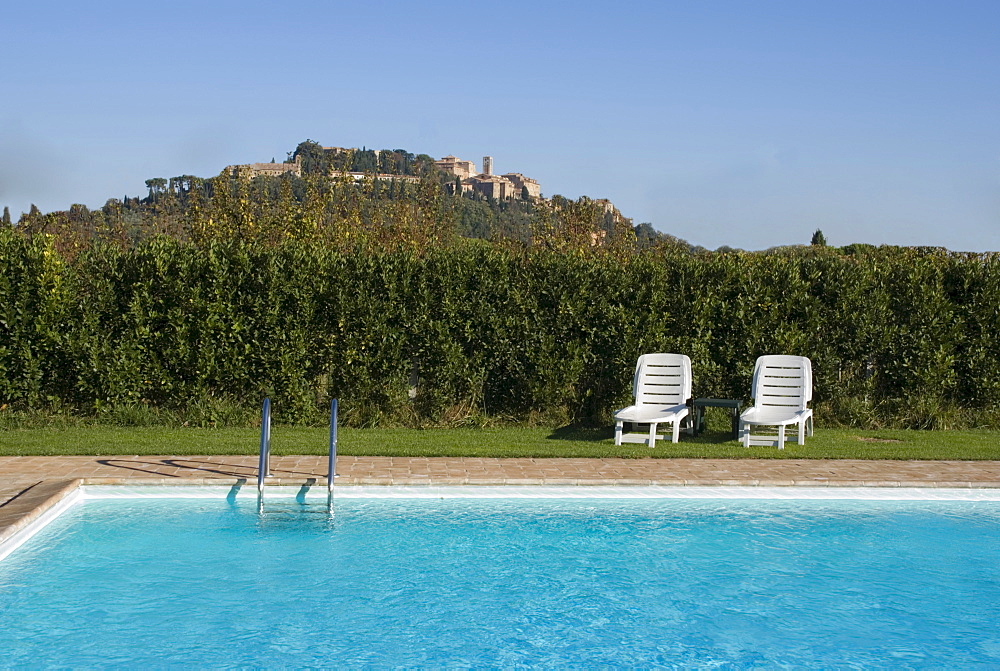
6,216
33,221
364,160
424,166
314,158
818,239
182,183
646,235
395,162
156,186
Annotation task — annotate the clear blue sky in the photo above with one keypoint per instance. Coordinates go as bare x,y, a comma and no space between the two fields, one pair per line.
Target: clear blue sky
748,124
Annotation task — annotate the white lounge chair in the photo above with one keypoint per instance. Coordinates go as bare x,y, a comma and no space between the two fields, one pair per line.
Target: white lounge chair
782,387
662,387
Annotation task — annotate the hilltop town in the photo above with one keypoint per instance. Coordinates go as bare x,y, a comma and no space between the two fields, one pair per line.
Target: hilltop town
470,180
399,165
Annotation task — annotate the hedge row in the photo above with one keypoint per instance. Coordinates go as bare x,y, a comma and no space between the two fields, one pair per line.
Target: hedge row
900,337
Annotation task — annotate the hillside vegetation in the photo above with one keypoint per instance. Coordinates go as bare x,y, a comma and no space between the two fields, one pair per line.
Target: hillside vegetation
327,205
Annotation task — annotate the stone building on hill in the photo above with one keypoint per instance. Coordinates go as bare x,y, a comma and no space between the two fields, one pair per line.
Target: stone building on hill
492,186
251,170
500,187
521,182
456,166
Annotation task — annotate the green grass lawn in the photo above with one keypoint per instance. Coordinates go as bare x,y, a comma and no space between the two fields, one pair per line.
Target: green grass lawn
499,442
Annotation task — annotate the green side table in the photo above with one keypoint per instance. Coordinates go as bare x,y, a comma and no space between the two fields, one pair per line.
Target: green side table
699,405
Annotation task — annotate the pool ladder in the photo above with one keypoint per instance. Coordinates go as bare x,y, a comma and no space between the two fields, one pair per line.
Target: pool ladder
264,463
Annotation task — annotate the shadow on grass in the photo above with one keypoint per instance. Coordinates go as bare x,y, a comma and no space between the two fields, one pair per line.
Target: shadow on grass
587,434
590,434
711,437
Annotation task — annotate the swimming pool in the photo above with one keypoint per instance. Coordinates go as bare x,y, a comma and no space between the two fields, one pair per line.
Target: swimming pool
507,582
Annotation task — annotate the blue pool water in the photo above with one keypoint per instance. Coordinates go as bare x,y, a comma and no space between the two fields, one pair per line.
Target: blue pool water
501,583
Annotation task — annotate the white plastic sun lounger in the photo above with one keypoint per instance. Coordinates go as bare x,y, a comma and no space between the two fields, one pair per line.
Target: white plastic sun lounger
662,388
782,387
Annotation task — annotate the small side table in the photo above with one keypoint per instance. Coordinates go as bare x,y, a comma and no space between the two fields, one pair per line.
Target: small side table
699,405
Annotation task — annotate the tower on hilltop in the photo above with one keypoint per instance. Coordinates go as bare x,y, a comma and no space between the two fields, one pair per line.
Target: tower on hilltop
487,165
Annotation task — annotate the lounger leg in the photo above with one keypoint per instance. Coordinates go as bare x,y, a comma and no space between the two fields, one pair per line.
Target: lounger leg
652,435
802,432
810,420
618,432
677,430
745,433
781,436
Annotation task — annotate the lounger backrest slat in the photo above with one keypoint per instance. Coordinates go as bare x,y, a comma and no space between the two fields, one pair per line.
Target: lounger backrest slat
662,379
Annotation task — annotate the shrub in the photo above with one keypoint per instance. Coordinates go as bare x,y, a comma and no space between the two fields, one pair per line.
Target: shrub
463,332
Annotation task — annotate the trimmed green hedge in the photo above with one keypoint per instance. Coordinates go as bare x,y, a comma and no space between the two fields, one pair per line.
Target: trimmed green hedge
897,337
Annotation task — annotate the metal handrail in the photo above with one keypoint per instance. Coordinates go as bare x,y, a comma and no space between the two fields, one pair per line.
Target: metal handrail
264,464
332,466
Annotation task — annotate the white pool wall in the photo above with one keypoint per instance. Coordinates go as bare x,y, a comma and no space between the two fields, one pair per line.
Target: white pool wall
94,492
